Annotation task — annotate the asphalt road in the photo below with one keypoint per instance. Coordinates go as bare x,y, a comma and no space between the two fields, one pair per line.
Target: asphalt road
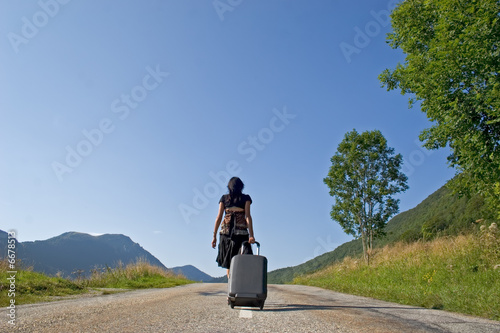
203,308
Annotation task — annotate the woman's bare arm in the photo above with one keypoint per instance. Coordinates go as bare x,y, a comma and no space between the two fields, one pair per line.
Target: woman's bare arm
248,217
218,220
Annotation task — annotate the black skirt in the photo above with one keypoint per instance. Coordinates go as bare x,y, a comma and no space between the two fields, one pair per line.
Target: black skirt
228,248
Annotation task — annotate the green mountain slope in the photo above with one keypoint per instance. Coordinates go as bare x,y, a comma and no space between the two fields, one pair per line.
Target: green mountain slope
440,214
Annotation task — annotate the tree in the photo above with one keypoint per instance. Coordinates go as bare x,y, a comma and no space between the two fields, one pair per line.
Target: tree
452,69
364,176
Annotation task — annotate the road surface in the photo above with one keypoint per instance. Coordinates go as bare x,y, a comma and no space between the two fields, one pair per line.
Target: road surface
203,308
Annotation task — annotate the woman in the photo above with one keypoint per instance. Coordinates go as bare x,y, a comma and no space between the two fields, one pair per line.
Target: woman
236,227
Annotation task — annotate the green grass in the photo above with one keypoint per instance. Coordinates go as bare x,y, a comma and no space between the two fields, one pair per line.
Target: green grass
32,287
459,274
135,276
440,214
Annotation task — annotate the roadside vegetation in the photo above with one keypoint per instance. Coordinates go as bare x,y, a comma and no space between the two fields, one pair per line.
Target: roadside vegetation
431,256
139,275
455,273
32,287
442,214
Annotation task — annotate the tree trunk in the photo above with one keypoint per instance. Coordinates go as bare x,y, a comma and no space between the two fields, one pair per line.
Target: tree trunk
364,240
370,245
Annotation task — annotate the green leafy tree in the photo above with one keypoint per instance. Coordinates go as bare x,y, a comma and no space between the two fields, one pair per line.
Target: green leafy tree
364,176
452,70
494,200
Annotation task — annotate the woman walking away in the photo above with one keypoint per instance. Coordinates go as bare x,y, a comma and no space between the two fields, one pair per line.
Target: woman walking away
236,227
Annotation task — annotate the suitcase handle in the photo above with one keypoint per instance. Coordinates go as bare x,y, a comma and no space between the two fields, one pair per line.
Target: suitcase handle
246,242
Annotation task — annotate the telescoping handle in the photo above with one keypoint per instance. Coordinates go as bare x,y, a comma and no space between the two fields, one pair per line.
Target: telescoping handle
245,242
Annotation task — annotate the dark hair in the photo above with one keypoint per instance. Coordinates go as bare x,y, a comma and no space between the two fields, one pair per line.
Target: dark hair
235,187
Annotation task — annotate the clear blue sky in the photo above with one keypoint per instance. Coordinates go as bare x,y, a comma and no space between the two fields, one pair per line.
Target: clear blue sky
127,116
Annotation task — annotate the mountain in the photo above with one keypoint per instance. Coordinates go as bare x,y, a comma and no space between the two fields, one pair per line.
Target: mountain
440,214
220,279
71,252
74,251
3,244
192,273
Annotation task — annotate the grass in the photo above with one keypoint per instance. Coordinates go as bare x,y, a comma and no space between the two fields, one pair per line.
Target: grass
32,287
459,274
135,276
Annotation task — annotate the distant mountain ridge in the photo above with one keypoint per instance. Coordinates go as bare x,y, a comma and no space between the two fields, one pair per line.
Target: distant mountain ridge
4,244
192,273
74,253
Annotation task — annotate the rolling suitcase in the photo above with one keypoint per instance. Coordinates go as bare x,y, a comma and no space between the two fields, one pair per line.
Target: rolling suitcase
248,280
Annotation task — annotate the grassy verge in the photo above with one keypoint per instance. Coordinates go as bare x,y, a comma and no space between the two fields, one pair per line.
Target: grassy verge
134,276
32,287
460,274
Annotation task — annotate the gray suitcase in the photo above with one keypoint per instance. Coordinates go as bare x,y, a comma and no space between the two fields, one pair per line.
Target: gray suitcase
248,280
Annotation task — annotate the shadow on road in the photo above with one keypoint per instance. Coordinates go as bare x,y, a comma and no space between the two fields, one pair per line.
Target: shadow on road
213,293
304,307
